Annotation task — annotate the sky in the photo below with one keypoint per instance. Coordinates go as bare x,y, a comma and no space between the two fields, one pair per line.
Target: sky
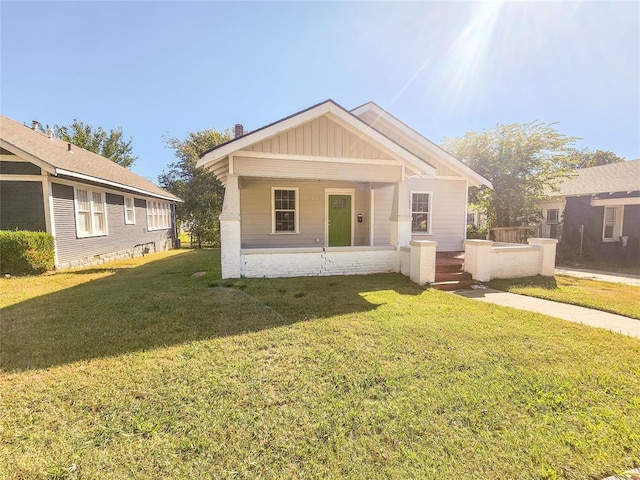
164,69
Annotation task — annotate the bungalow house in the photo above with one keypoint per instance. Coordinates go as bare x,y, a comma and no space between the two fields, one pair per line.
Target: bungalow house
328,191
596,213
95,209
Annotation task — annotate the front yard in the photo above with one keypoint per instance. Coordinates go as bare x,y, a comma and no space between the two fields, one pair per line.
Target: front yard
136,370
605,296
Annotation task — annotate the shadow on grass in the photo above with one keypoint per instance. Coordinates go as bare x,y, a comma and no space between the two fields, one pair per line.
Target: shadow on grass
158,304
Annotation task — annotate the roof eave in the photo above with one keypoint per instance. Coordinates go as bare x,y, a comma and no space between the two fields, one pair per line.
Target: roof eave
474,177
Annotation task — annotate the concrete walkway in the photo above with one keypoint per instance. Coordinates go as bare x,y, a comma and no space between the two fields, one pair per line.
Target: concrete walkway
572,313
627,279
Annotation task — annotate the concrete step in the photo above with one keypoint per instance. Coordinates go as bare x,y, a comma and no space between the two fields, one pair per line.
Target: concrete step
448,267
453,276
453,285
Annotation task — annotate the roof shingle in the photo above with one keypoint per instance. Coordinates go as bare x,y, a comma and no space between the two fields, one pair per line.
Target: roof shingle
56,154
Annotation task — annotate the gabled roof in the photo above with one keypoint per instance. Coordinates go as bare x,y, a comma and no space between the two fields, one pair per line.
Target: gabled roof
338,112
421,141
611,178
54,156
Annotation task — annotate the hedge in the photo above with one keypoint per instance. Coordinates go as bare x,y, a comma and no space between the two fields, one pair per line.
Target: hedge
25,253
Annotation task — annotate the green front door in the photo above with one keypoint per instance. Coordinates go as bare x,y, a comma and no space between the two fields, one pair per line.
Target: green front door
339,220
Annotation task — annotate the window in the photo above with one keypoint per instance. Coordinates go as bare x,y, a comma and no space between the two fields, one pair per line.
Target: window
553,214
158,215
611,227
471,218
420,212
129,211
285,210
91,219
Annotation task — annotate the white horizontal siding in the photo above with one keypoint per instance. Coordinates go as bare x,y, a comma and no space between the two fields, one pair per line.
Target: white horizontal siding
283,168
448,224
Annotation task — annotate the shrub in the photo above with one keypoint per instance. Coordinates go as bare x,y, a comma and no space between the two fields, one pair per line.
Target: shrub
474,232
25,253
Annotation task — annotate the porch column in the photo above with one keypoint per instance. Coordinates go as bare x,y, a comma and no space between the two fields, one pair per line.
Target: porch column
401,216
230,239
547,248
423,262
477,259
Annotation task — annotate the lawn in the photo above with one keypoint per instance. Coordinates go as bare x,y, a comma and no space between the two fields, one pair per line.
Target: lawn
605,296
136,370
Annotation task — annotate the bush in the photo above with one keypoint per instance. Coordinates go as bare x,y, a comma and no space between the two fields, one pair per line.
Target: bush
25,253
476,233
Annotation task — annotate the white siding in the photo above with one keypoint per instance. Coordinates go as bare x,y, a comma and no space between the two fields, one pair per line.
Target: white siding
304,169
448,224
255,211
382,203
321,137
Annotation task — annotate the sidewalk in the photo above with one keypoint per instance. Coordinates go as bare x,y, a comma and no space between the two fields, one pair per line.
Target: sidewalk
626,278
572,313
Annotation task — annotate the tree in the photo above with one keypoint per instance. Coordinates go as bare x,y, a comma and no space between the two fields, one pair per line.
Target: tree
200,189
111,145
585,158
522,161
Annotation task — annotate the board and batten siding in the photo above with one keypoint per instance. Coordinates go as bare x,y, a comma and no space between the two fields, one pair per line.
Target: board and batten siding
120,236
22,206
256,213
448,225
321,137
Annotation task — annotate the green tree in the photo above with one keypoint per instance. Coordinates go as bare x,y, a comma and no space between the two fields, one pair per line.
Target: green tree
200,189
586,158
111,145
522,161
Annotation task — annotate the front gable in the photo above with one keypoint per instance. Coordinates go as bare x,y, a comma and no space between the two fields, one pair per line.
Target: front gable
325,141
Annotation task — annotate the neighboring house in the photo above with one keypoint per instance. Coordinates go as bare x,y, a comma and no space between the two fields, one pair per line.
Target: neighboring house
329,191
598,207
95,209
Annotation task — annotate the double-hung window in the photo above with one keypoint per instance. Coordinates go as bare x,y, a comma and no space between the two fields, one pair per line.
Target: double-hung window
158,215
611,225
91,213
129,211
553,216
284,214
421,212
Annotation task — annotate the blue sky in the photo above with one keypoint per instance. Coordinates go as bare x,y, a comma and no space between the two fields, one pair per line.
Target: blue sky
168,68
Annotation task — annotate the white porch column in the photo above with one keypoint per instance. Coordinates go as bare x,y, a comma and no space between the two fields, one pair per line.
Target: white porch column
401,216
423,262
477,259
230,238
547,248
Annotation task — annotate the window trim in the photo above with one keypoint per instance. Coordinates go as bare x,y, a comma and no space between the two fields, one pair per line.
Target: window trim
160,211
92,212
296,211
557,221
617,223
429,212
133,210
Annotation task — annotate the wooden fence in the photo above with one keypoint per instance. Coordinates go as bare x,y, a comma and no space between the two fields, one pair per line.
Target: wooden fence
514,234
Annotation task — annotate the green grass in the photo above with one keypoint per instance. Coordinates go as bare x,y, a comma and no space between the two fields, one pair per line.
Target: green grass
605,296
139,371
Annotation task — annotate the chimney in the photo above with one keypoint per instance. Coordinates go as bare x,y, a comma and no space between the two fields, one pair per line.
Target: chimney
238,130
68,147
34,124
